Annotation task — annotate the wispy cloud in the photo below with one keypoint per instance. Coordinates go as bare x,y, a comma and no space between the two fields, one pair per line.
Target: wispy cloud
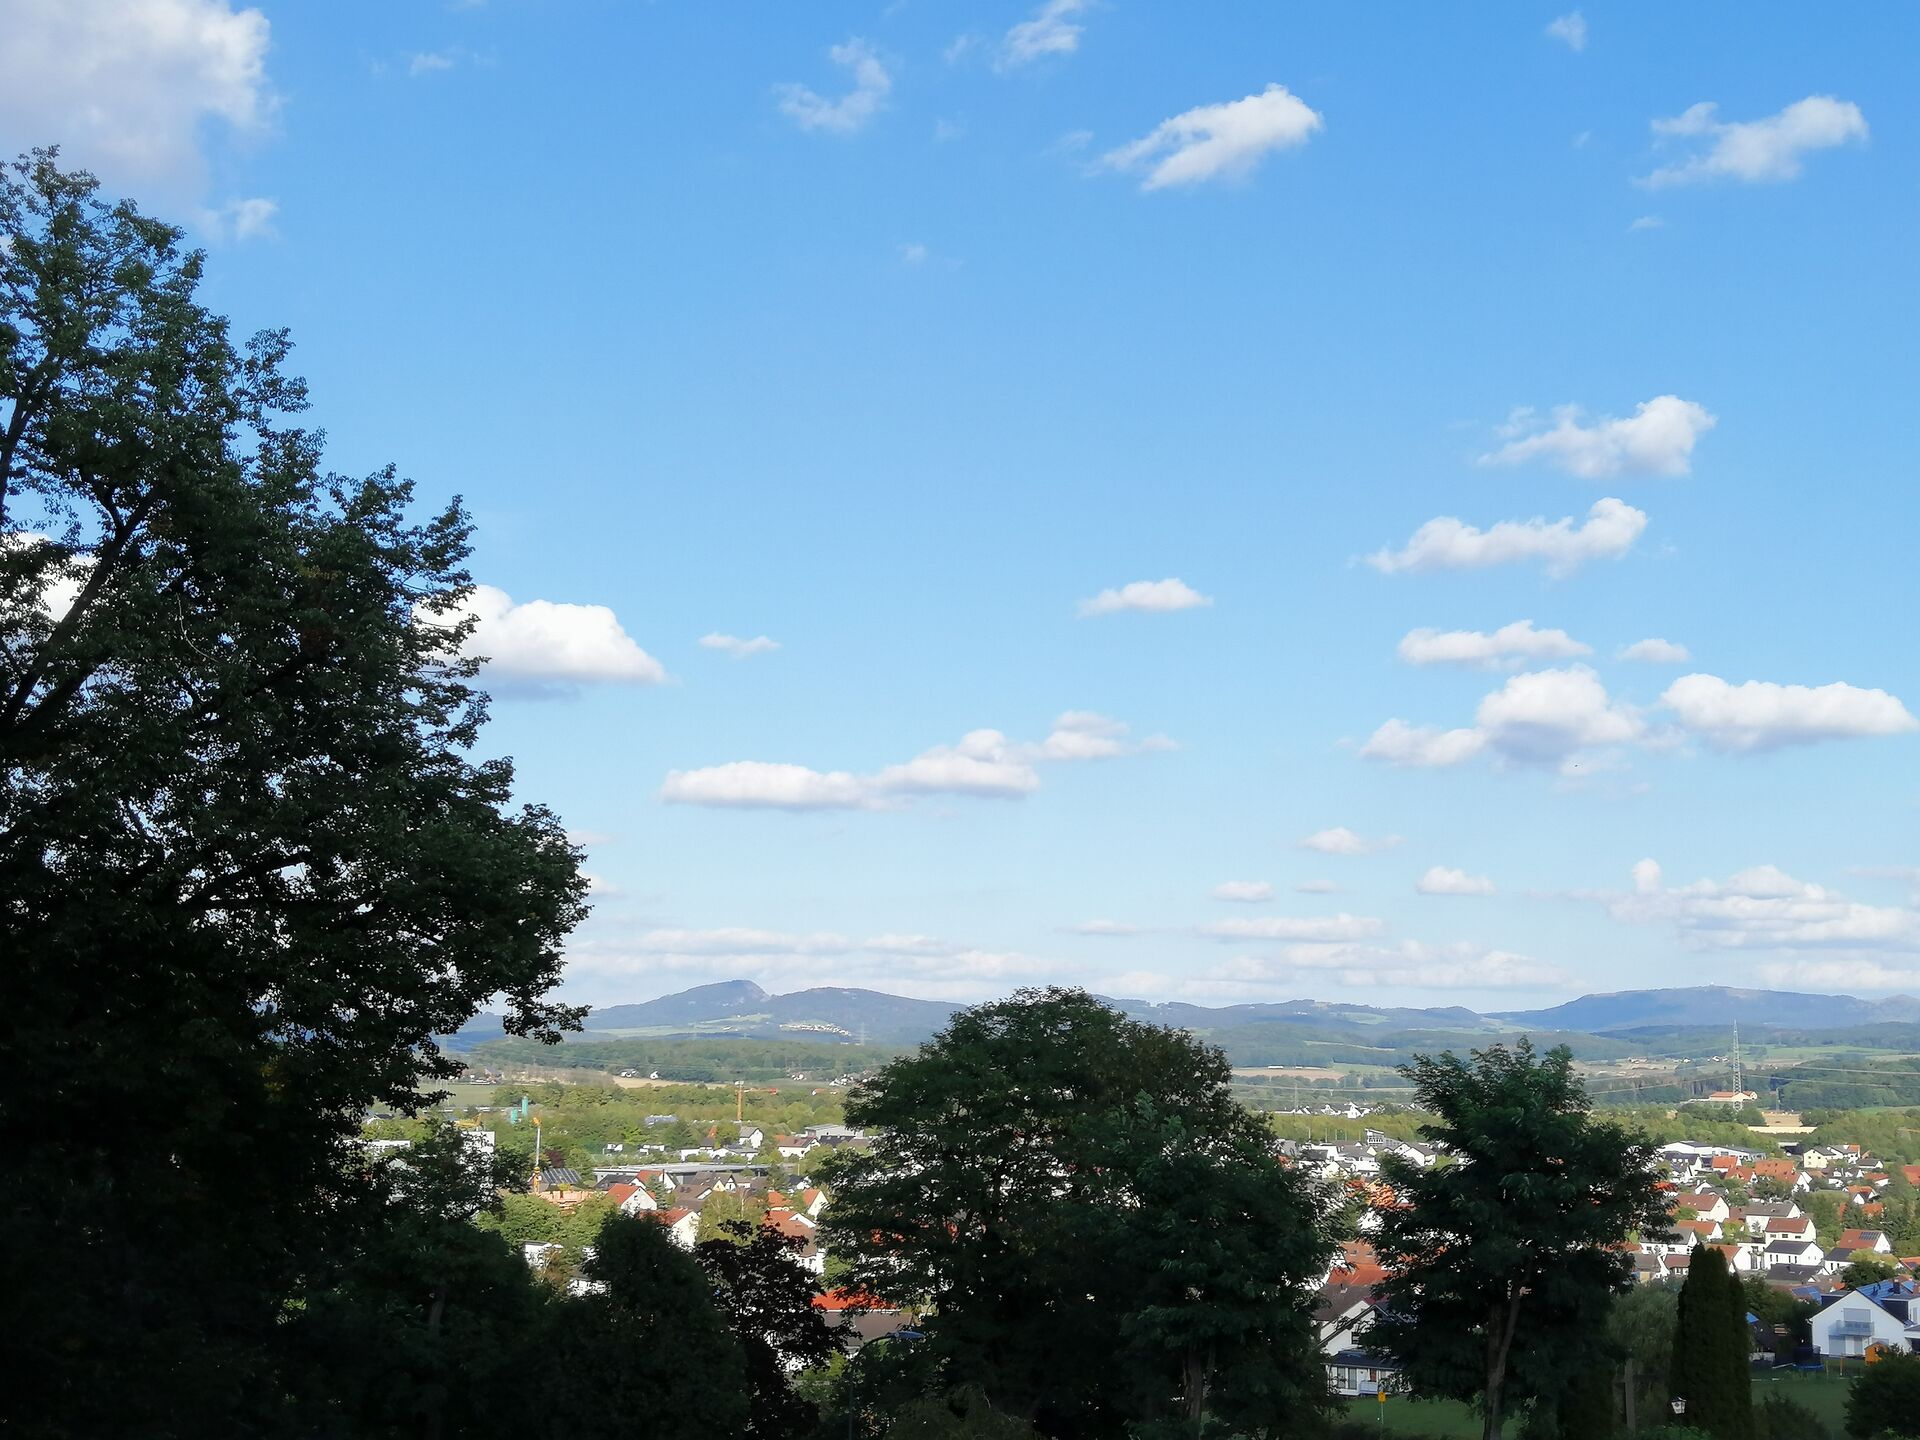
848,113
984,764
1771,149
1341,841
1569,29
1657,439
736,647
1510,645
1562,546
1147,595
1051,30
1211,142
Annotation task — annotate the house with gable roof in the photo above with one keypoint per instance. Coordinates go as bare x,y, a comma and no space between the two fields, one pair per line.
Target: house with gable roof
1874,1314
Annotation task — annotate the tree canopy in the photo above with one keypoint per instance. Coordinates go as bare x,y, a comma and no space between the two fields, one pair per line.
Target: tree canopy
1103,1235
248,867
1522,1233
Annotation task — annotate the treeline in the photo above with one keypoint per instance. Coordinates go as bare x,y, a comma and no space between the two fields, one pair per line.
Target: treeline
1283,1042
1840,1085
579,1122
692,1059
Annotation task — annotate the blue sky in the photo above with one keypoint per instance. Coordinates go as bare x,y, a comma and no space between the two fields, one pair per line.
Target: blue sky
901,334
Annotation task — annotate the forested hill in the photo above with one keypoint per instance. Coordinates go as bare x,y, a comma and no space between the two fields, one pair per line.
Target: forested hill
1291,1032
1713,1005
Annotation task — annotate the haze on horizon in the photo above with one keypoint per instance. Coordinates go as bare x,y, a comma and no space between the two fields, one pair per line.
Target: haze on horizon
1405,508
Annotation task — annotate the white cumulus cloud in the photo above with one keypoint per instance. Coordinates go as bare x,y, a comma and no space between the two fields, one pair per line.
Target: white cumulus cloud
1654,651
1763,908
1547,715
552,644
1563,546
1657,439
1443,880
1422,747
984,763
1753,151
1316,887
1569,29
1051,30
1339,840
849,112
1149,595
1211,141
1509,645
915,964
1760,715
737,647
1246,891
1539,717
134,89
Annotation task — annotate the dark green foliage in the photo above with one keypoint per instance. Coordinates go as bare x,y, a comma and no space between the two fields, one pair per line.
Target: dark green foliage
768,1302
1884,1399
722,1058
1584,1409
1780,1418
1640,1329
247,870
1785,1320
424,1324
1104,1235
1709,1368
652,1344
1865,1272
1511,1243
962,1414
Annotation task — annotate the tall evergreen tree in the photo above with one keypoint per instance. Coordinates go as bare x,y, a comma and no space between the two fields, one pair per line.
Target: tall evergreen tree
1709,1369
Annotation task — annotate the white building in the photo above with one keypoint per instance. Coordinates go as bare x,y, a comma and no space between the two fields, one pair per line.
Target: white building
1853,1322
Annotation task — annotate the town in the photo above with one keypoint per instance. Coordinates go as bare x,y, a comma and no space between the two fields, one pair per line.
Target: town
1028,720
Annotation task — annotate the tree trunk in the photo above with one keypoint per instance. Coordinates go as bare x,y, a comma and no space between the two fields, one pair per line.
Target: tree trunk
436,1405
1194,1386
1500,1327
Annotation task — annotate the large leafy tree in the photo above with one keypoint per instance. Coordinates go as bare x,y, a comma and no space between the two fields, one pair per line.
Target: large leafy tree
1884,1399
767,1297
248,867
1709,1369
648,1342
1101,1235
1503,1261
422,1323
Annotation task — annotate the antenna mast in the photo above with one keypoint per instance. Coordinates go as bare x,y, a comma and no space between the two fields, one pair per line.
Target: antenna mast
1739,1086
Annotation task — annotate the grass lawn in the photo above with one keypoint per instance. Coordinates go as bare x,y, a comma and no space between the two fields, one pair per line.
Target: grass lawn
1824,1395
1442,1419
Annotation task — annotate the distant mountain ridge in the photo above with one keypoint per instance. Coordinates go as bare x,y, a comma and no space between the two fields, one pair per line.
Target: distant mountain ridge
1712,1005
740,1008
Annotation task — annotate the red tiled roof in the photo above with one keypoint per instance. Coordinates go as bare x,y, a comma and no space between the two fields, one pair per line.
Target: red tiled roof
849,1300
621,1192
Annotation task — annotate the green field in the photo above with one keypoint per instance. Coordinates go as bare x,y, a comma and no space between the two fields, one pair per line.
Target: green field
1824,1395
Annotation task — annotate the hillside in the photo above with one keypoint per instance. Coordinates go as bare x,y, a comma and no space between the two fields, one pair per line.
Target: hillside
1716,1005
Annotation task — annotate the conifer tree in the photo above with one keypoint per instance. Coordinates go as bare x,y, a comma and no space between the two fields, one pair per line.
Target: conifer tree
1709,1369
